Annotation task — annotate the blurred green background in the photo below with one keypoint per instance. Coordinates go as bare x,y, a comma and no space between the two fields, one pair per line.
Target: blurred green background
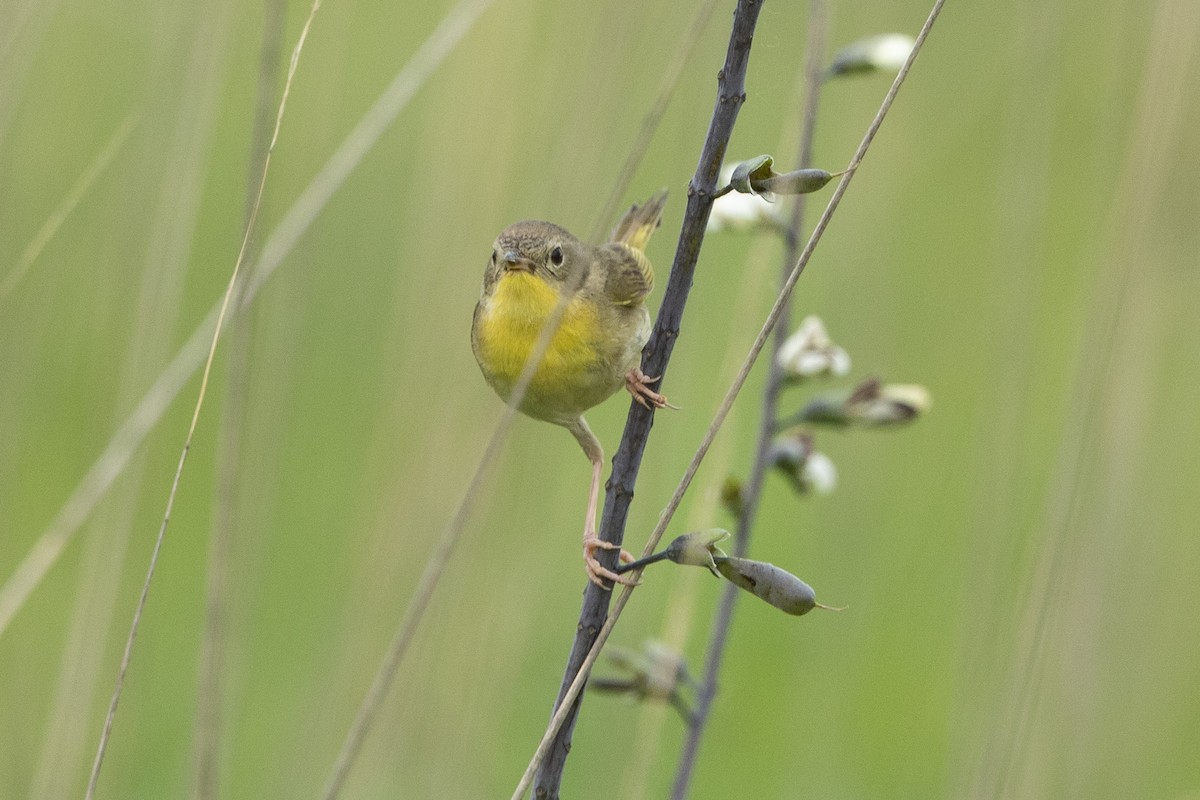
1020,566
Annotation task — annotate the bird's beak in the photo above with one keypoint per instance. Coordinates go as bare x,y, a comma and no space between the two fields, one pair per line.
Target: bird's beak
513,261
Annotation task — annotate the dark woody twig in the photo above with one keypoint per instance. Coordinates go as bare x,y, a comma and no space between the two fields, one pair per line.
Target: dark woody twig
597,627
731,94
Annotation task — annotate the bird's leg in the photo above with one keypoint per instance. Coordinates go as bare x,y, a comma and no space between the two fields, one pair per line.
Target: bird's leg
638,385
596,571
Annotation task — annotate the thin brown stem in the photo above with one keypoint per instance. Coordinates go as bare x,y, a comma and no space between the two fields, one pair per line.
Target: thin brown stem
752,491
718,640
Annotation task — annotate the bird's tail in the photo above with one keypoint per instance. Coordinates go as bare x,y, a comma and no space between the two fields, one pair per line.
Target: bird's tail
639,222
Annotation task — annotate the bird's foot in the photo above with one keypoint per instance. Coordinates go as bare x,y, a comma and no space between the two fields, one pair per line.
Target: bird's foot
638,385
597,572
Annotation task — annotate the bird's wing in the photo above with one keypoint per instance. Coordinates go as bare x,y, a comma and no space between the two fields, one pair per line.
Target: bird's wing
629,276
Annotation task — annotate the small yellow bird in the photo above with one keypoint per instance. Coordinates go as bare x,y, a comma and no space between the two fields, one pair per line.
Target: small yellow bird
597,347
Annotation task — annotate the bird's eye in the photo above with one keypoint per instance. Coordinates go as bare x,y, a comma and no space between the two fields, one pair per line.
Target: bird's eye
493,257
556,256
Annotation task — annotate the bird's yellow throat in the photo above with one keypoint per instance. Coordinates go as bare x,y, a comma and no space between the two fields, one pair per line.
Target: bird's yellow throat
512,321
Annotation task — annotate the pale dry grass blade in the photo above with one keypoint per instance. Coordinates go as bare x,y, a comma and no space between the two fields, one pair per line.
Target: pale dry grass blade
207,729
568,700
439,558
441,42
63,210
680,611
650,122
99,478
812,76
435,565
154,310
102,474
122,671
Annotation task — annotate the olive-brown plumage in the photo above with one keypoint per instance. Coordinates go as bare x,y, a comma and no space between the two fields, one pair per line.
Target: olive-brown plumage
534,267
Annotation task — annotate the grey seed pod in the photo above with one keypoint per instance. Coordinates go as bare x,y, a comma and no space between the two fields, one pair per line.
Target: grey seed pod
768,582
800,181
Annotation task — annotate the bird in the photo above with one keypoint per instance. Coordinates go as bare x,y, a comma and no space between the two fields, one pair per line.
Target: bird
597,347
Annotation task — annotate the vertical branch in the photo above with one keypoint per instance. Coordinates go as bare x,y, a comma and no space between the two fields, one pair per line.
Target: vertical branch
814,72
731,93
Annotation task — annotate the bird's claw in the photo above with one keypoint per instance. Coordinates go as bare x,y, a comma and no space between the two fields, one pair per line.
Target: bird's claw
638,385
597,572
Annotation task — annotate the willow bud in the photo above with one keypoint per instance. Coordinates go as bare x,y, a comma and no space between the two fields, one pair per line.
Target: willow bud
809,352
698,549
884,53
871,403
876,403
740,213
756,177
808,470
691,549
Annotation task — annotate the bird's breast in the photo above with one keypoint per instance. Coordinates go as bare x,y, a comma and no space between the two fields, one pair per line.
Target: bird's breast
572,376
